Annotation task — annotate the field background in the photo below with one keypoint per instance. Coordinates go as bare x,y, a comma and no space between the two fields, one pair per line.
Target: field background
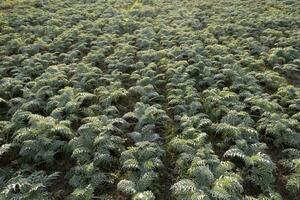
149,99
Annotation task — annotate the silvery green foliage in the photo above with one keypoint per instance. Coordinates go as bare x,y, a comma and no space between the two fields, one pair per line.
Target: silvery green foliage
149,99
148,195
28,186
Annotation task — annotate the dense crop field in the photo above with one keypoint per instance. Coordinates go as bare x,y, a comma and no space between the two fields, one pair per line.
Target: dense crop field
150,99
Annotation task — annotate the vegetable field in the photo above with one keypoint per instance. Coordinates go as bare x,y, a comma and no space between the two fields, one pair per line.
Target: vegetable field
150,99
